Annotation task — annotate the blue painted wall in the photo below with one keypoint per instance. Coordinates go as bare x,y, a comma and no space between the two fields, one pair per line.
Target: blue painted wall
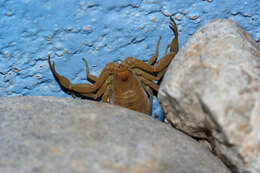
102,31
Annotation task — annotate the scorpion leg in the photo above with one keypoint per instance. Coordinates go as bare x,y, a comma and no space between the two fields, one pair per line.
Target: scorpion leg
174,46
163,62
149,93
105,90
173,26
106,98
102,90
151,84
81,88
149,76
91,78
95,95
166,49
153,59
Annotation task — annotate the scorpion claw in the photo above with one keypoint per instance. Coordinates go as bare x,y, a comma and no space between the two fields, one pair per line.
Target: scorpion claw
173,25
63,81
91,78
172,20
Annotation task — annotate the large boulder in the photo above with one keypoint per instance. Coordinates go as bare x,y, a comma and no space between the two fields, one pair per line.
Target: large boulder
212,91
47,134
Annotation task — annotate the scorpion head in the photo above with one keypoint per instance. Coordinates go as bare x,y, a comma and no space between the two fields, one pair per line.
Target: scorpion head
122,72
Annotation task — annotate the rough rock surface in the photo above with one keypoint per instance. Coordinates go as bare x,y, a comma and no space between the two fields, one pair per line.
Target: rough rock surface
212,90
47,134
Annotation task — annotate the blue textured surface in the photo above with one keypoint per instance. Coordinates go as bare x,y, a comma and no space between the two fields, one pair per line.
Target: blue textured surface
102,31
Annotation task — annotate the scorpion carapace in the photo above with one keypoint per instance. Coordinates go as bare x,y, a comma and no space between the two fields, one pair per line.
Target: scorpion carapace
130,84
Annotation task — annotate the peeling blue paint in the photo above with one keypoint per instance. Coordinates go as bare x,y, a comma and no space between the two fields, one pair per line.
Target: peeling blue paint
102,31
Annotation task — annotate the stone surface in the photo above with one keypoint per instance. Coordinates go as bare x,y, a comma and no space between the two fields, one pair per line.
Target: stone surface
47,134
98,30
212,90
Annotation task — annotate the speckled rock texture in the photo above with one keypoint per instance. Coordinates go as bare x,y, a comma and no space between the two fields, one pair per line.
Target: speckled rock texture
47,134
102,31
212,90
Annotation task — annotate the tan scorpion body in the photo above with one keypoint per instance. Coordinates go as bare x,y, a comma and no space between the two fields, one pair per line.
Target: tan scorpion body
128,84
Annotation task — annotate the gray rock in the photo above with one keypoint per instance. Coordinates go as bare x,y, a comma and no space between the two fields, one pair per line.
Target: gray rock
47,134
212,90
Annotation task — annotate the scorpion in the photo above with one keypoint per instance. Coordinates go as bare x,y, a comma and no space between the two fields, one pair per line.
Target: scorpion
129,84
